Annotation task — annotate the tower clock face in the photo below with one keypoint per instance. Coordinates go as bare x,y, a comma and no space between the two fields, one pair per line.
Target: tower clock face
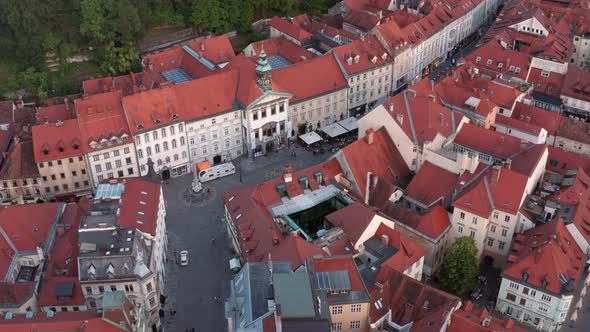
267,82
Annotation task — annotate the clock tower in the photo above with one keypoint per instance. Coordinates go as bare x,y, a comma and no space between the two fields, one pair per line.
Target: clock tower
263,73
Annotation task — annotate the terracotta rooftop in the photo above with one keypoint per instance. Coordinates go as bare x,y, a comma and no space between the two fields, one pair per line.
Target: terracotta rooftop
283,47
339,263
577,83
125,84
57,112
575,130
370,54
432,183
291,29
408,251
381,157
433,223
353,219
62,321
492,188
518,124
492,59
488,141
20,162
57,141
409,300
546,257
469,319
537,116
362,20
560,161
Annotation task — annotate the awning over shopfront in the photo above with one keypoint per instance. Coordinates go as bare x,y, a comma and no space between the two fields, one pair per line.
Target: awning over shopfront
310,138
334,130
349,124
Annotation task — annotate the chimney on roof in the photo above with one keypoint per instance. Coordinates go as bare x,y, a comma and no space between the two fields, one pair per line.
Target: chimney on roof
288,174
370,135
468,306
202,47
400,119
46,119
275,238
385,239
362,37
59,123
20,104
495,175
66,103
85,96
508,163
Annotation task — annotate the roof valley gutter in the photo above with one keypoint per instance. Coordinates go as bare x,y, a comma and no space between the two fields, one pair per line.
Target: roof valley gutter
410,117
485,181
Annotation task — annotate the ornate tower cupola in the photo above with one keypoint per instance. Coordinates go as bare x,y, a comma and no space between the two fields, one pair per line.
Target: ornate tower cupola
263,73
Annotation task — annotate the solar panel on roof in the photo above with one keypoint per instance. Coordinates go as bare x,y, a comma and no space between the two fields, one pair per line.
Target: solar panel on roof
334,280
107,190
64,289
277,61
176,76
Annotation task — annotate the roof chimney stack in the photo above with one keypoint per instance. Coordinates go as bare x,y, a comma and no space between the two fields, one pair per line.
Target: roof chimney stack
370,133
288,174
385,239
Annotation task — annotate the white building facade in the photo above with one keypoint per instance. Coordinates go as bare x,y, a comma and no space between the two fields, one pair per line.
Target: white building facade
166,146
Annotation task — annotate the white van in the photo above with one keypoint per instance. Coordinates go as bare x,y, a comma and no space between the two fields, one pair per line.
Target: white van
215,172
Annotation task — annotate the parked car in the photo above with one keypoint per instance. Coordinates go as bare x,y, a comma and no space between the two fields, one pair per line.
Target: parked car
184,258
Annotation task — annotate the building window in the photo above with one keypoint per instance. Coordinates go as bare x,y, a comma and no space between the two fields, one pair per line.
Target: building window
165,146
460,229
336,326
474,220
97,167
59,162
182,141
89,290
163,132
152,301
149,287
113,288
522,302
337,310
546,298
116,153
507,218
95,158
355,324
125,150
493,228
105,155
100,289
501,245
355,308
117,163
61,175
155,135
490,242
100,178
504,232
510,297
157,148
108,165
462,215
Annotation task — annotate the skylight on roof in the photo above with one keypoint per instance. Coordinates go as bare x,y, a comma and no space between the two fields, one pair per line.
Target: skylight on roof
142,203
139,222
140,213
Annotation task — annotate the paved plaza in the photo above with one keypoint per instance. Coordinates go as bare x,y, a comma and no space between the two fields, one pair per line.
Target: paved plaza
192,289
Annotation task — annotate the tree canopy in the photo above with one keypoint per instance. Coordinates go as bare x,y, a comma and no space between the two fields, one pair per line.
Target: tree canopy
460,266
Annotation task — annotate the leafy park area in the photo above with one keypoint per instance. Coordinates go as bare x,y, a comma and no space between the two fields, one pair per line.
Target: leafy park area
38,36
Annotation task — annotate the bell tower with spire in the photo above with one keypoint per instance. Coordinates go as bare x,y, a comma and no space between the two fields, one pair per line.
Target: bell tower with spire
263,72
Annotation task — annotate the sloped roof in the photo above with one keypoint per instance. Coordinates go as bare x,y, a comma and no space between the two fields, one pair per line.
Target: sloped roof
381,158
537,116
469,319
432,223
408,251
369,51
295,250
290,28
560,161
20,162
543,255
353,219
487,141
143,196
431,183
283,47
339,263
64,136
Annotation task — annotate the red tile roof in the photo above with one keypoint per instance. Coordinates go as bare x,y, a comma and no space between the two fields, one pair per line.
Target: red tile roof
294,79
57,112
488,141
291,29
353,219
57,141
408,251
509,58
100,117
48,292
370,54
431,183
409,300
577,83
575,130
424,118
20,162
492,188
12,293
550,85
537,116
339,263
433,223
546,253
381,157
62,321
519,124
169,104
283,47
28,225
362,20
125,84
560,161
138,191
256,230
468,319
527,161
341,247
294,249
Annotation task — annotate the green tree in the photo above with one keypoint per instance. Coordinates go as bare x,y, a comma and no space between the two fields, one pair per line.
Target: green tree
117,60
95,15
460,266
240,14
209,15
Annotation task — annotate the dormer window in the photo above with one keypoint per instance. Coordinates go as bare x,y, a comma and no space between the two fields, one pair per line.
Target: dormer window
158,121
110,271
349,60
357,58
140,126
477,59
282,189
91,272
545,73
500,64
319,178
525,276
489,62
304,182
517,70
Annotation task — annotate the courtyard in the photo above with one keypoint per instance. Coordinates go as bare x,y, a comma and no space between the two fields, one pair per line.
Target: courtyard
195,293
